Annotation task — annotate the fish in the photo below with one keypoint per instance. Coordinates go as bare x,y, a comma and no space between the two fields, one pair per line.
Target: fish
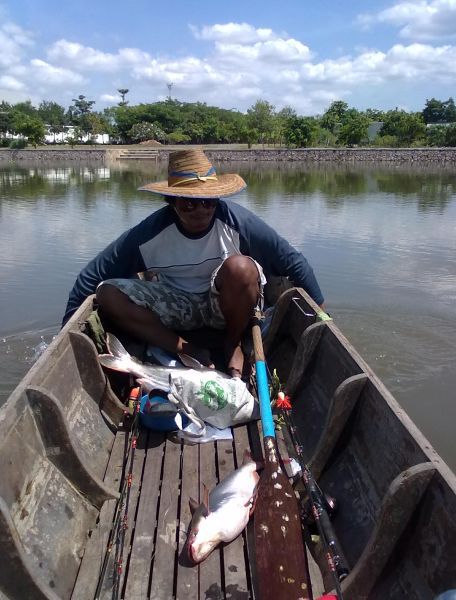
224,512
152,376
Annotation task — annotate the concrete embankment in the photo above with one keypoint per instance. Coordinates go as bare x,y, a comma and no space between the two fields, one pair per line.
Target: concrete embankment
435,156
42,154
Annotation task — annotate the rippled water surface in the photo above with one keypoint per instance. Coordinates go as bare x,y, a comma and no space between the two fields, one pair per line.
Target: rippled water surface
382,241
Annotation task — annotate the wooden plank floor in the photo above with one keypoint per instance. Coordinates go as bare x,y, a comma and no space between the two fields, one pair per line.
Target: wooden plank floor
154,561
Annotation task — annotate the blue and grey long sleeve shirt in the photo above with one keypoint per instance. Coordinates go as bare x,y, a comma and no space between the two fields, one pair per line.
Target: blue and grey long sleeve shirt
160,245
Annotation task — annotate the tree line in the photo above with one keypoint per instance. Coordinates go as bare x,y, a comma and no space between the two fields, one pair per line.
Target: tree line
174,122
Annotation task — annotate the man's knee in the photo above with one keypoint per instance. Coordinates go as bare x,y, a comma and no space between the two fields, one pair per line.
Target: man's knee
237,271
110,298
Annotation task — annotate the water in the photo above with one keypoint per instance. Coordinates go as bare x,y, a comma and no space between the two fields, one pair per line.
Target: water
382,241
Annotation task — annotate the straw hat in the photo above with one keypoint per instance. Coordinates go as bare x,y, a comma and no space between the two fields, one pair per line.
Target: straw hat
191,175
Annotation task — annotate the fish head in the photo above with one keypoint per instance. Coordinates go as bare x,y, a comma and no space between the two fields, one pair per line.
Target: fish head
203,536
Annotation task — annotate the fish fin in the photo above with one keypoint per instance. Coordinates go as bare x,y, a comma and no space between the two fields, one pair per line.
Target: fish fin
252,500
193,504
116,347
247,456
189,361
206,498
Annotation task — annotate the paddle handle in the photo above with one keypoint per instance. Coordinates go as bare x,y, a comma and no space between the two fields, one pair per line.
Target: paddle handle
262,381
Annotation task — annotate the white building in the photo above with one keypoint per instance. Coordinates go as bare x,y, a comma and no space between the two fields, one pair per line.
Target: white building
68,133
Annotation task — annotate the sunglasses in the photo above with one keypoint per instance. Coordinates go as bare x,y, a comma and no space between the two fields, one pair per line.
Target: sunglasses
191,204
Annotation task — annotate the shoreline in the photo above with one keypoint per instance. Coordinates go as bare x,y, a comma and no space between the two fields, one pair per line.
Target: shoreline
434,156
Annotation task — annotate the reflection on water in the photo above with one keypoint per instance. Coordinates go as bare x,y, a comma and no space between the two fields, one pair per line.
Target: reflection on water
382,241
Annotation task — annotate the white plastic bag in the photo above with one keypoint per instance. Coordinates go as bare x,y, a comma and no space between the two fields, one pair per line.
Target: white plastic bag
212,398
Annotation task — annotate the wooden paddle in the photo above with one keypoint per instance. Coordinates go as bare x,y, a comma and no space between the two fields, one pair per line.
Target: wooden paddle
280,554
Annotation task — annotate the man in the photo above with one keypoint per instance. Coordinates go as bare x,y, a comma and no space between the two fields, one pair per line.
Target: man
207,257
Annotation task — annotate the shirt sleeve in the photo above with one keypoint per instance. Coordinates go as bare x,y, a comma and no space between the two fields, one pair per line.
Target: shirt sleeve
275,254
120,259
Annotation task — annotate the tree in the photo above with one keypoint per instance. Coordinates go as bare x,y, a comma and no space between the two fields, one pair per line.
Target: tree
281,122
79,111
260,116
450,111
81,105
373,114
434,111
30,127
26,108
332,119
436,135
300,131
95,124
437,111
123,92
353,129
450,136
143,131
53,115
406,127
177,137
6,118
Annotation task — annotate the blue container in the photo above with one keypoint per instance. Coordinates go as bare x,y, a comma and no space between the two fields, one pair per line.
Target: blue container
158,413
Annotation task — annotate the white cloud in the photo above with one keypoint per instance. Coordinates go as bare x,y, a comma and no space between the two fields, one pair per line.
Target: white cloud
284,71
77,56
43,72
270,52
13,41
10,83
240,65
241,33
110,98
421,20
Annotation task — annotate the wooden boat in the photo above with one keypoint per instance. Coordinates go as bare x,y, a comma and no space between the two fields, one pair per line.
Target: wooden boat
65,452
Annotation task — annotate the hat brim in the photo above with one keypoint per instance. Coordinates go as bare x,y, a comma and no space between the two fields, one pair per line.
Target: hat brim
226,185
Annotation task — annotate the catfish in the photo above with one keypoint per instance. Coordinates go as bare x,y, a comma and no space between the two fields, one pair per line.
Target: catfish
153,376
224,512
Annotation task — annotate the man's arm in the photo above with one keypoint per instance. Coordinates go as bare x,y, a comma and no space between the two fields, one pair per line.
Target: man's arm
122,258
119,259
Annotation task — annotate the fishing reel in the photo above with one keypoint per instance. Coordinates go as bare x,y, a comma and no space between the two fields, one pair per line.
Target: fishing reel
328,503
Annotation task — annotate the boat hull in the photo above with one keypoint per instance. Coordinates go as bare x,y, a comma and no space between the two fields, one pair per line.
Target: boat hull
63,449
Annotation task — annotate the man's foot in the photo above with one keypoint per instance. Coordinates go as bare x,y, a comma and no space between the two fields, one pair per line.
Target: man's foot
201,354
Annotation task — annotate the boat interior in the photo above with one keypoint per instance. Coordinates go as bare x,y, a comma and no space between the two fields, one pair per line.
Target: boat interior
93,506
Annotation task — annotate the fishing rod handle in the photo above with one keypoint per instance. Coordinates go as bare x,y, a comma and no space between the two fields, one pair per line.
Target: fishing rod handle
327,532
262,381
265,403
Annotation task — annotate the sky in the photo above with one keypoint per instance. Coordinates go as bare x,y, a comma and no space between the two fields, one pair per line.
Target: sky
375,54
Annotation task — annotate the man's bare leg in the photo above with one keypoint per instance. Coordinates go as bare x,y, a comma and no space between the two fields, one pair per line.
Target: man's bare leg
144,324
237,283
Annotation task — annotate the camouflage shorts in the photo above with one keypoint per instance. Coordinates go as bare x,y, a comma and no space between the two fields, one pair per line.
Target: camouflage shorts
177,309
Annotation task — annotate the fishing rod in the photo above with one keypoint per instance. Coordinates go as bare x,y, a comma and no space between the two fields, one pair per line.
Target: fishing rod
134,403
319,506
117,536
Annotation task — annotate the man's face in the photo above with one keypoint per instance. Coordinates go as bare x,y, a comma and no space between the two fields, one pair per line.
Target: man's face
195,214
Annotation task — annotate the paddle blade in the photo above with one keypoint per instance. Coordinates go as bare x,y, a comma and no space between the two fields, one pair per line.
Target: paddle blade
281,559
